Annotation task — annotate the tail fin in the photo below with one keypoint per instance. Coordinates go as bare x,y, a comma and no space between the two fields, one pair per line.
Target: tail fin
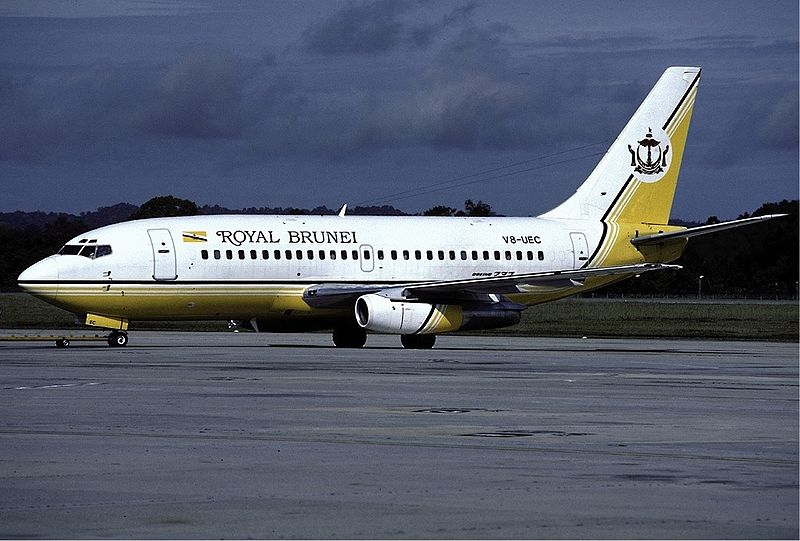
635,181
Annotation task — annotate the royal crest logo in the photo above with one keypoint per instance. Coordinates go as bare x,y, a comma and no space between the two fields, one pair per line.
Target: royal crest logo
649,159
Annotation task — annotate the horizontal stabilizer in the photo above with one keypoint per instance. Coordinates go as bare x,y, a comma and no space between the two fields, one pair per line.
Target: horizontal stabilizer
658,238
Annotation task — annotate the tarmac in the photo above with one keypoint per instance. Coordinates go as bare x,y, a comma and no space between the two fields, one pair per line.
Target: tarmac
237,435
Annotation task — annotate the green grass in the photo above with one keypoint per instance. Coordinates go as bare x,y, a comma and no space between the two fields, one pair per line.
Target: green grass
572,317
671,319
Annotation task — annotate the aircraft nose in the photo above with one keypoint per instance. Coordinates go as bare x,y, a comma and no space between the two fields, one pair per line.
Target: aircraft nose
39,274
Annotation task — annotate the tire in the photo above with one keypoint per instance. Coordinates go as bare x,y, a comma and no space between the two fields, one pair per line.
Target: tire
62,343
349,337
117,339
418,341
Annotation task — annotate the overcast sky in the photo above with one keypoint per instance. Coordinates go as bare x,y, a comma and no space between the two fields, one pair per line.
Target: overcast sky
320,103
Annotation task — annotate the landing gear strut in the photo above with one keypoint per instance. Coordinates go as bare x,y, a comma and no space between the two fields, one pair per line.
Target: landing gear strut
349,337
117,339
418,341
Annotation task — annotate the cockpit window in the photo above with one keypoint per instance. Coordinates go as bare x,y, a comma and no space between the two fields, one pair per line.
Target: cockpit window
70,249
91,251
88,251
103,249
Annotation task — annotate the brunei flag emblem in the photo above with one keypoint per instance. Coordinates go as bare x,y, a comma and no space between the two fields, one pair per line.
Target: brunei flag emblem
194,236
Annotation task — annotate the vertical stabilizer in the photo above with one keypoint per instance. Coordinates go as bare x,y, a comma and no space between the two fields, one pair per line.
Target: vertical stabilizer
635,181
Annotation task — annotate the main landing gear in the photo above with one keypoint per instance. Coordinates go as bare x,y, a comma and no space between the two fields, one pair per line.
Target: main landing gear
351,336
418,341
356,337
117,339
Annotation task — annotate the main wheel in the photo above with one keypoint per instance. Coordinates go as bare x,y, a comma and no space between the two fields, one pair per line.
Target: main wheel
62,343
418,341
349,337
117,339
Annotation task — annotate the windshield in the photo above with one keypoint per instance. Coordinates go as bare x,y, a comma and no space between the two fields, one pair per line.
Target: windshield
92,251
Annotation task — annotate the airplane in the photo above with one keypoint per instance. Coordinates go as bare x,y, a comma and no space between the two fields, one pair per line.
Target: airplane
416,277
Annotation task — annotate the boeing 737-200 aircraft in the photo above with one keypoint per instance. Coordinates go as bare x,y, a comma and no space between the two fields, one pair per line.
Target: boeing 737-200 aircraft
412,276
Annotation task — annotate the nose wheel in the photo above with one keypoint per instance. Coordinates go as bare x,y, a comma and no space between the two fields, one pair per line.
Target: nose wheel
117,339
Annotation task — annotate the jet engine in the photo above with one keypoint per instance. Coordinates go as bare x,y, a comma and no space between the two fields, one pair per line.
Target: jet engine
378,313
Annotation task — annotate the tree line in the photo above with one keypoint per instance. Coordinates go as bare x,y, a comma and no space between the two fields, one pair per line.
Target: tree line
754,261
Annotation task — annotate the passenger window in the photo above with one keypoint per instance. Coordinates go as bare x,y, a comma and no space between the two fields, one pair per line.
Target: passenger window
366,254
429,254
441,255
322,254
217,254
508,255
474,255
417,255
344,254
333,254
463,255
204,254
264,254
541,255
394,254
486,255
497,255
253,254
406,255
310,254
530,255
355,254
299,254
229,254
241,254
452,255
277,254
519,255
288,254
380,255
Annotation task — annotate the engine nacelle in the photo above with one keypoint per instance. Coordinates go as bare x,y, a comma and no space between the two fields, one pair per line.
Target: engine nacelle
378,313
381,314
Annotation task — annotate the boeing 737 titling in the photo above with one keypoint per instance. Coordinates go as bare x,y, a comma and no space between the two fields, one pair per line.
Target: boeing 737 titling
412,276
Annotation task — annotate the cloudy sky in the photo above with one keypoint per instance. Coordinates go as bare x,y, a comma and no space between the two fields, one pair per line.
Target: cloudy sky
401,102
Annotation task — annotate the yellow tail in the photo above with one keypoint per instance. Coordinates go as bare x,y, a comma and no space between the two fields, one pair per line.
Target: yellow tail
632,188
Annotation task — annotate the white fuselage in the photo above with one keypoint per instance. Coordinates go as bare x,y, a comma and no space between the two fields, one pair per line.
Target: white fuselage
246,266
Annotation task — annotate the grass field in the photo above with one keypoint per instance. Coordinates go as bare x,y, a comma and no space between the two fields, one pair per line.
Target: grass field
572,317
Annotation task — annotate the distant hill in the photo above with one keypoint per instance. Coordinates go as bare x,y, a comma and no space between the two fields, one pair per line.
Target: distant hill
93,219
122,211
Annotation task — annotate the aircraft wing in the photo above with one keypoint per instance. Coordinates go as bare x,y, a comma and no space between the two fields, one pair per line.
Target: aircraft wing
509,284
340,295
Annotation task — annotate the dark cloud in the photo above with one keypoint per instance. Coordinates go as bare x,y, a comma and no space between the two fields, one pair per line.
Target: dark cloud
378,27
370,82
778,127
200,96
733,133
79,109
